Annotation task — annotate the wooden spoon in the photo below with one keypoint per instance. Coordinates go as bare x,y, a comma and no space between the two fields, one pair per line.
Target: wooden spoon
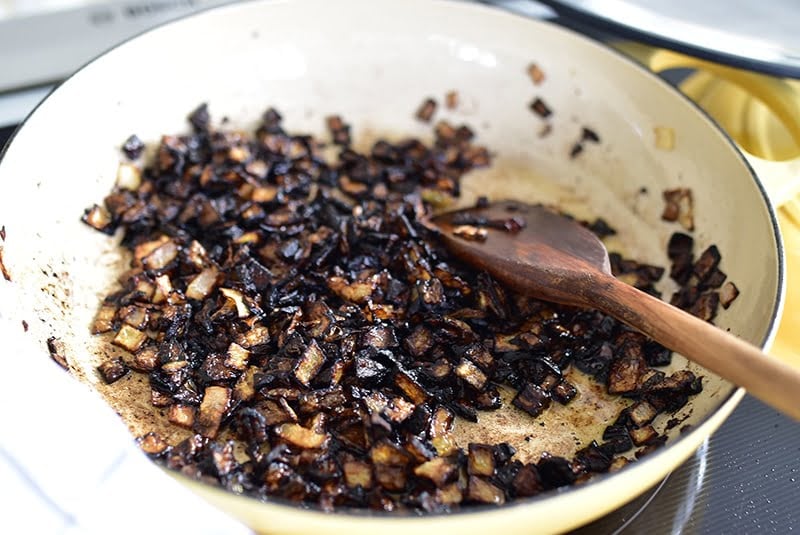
554,258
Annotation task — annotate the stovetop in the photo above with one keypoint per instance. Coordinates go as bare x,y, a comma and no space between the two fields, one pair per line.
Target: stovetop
745,478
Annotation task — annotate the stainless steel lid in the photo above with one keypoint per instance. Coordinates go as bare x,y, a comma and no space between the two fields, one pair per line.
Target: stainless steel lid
752,34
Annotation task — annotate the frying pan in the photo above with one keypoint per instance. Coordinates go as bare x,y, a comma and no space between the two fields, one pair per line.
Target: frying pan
373,62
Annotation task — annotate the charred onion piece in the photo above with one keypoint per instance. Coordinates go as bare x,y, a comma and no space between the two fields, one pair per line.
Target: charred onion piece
451,100
113,370
679,206
541,109
213,407
536,74
3,268
728,293
426,110
133,147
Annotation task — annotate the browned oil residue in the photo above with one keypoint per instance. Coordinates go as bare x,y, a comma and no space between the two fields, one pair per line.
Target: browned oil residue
561,430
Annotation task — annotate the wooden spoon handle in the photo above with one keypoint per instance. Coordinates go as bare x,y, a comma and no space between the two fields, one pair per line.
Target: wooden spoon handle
765,377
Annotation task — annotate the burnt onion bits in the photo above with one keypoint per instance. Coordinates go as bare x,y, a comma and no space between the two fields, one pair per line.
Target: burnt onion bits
295,315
